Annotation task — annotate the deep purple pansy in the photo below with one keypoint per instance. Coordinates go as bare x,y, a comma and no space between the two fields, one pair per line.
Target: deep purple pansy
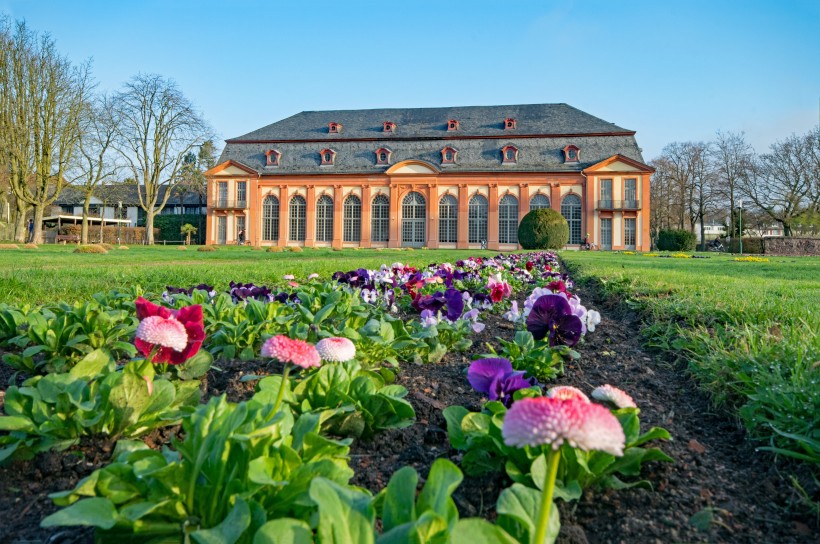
496,378
551,316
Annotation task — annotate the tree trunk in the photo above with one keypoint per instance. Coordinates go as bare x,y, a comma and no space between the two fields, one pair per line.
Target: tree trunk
38,224
149,226
787,228
20,224
86,206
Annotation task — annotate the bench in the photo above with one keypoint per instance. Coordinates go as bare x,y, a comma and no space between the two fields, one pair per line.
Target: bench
64,238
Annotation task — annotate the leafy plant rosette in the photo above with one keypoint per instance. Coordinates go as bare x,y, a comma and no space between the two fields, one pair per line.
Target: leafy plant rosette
348,399
93,398
479,435
238,466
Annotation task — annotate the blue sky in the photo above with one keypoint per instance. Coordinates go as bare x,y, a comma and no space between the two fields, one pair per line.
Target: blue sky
671,70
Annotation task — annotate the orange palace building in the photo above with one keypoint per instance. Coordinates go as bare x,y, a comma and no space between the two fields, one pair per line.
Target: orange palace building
435,177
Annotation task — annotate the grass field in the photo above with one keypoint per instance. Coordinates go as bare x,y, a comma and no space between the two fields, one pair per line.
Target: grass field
750,332
54,273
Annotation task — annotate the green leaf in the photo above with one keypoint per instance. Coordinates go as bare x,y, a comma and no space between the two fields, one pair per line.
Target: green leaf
454,415
437,493
284,531
481,531
17,423
400,498
518,508
323,313
231,528
345,514
128,400
654,433
95,512
195,367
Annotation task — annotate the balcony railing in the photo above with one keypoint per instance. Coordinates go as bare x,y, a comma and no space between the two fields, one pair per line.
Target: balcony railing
224,204
619,204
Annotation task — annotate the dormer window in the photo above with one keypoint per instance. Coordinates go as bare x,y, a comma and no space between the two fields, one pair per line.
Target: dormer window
328,157
509,154
509,123
334,128
572,153
383,155
389,126
449,155
452,124
272,157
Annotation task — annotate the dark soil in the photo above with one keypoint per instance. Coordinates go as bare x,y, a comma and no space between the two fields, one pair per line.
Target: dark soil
716,469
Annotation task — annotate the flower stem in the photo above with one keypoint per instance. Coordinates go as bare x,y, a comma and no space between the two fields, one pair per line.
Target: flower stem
546,496
281,389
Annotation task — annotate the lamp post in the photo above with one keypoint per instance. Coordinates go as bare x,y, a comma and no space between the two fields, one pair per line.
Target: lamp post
119,220
740,225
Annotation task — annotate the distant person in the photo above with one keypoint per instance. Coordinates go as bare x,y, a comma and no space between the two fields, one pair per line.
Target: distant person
586,242
240,237
30,230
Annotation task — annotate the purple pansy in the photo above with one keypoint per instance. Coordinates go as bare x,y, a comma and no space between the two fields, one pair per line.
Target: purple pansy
496,378
551,316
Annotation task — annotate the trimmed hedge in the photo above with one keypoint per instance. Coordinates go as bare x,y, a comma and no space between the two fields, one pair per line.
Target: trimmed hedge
128,235
676,240
170,227
543,228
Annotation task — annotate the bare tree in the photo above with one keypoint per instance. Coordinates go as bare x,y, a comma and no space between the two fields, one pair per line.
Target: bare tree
732,160
41,101
157,127
662,203
96,163
781,181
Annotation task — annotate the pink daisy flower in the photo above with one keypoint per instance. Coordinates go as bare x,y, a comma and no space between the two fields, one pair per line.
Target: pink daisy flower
313,276
551,421
611,394
567,392
336,349
288,277
163,332
288,350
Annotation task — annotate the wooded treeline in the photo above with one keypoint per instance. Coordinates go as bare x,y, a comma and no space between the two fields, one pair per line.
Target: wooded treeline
58,130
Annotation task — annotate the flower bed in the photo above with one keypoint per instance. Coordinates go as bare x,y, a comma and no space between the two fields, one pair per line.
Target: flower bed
280,456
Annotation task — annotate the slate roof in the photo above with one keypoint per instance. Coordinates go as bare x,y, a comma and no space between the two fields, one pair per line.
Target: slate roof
71,196
421,133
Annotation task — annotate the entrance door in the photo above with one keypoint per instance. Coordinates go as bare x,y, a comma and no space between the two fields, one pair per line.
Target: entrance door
221,229
629,233
413,220
606,234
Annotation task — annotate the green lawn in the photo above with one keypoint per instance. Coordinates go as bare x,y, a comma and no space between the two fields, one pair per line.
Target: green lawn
750,332
54,273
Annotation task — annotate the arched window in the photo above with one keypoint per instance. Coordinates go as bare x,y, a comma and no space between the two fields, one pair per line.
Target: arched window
508,220
324,219
298,213
270,218
448,219
352,219
571,210
380,219
477,220
539,201
413,220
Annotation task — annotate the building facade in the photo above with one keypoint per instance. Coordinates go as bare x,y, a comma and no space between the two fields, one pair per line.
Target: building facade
458,177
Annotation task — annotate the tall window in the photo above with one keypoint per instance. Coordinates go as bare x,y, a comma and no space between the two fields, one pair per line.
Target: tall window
221,230
571,210
298,213
508,220
352,219
477,220
379,219
606,194
606,233
241,193
240,227
631,193
324,219
270,218
448,219
629,233
222,194
539,201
